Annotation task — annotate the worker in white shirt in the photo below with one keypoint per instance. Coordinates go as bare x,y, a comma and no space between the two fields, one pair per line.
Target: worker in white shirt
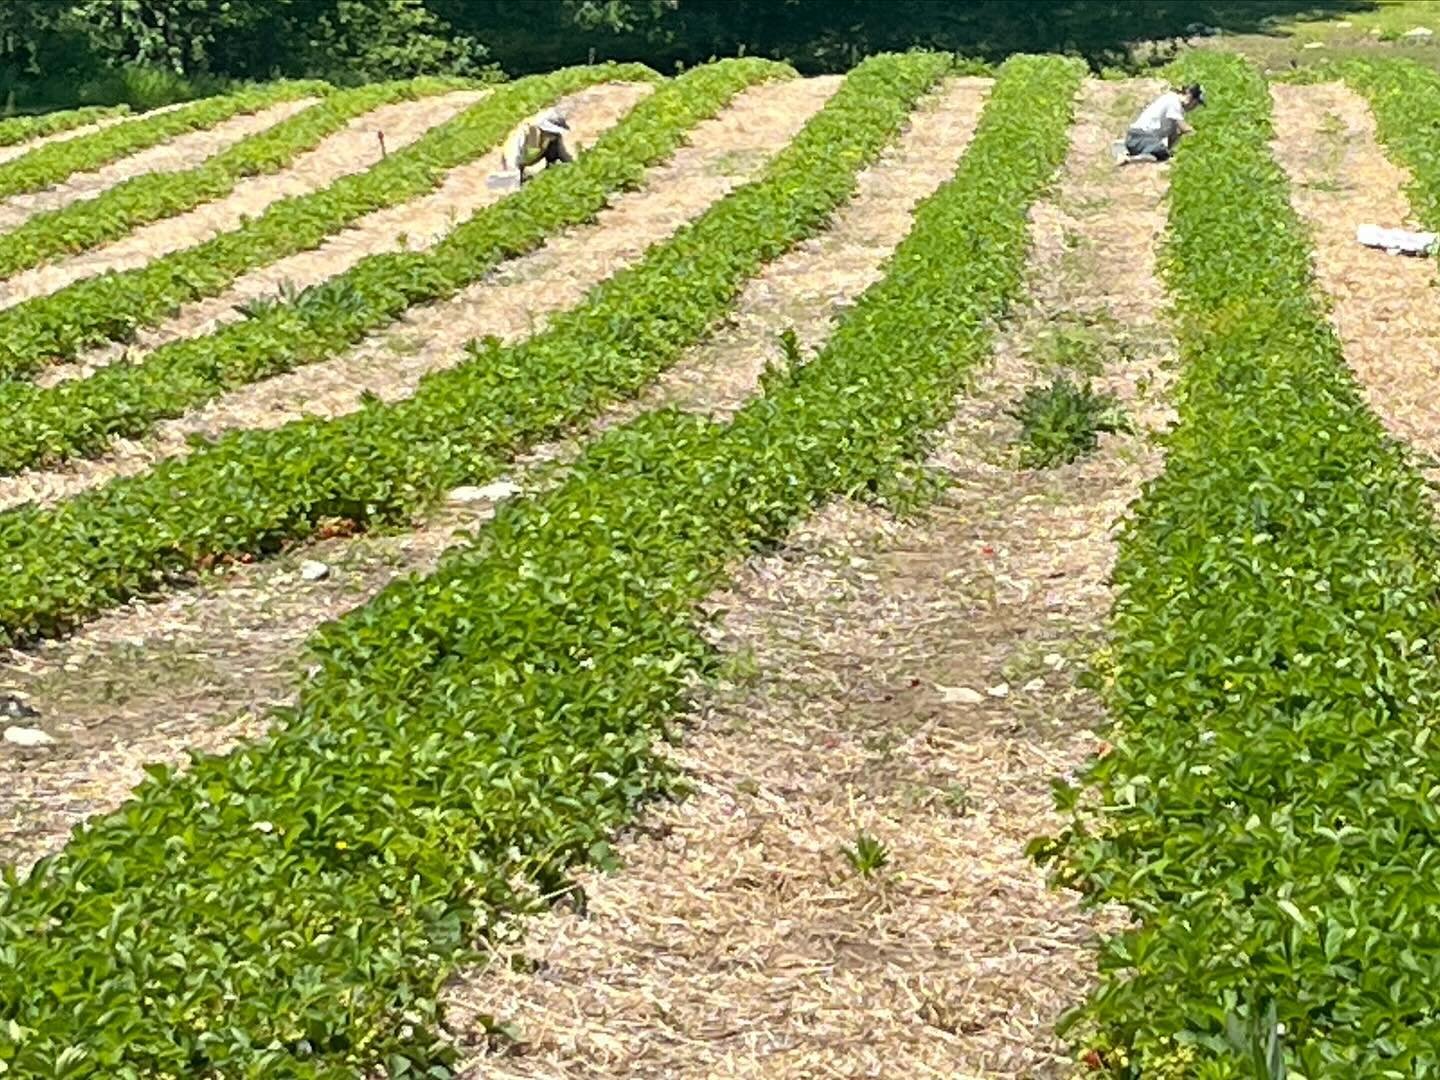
540,138
1153,135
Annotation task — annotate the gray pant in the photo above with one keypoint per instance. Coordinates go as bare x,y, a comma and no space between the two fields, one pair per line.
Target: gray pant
1146,142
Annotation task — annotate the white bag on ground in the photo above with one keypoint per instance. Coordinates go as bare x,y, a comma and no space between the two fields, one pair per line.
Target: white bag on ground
1397,241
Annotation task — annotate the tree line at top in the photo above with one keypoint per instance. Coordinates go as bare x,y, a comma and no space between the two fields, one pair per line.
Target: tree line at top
148,52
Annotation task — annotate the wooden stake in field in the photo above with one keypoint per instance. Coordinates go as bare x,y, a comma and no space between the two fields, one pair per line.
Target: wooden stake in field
381,136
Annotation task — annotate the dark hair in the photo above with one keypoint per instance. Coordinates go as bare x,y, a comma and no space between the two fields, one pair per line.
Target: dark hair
1197,92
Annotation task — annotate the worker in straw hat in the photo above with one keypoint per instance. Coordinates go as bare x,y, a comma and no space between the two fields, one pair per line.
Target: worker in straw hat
540,138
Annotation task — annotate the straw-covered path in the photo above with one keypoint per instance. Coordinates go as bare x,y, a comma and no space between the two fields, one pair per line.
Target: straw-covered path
1384,307
909,680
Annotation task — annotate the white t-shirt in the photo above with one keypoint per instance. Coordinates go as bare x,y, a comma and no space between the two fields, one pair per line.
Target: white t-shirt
1161,117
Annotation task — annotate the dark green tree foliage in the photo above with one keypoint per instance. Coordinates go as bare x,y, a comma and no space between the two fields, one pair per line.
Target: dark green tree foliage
50,48
366,40
177,35
829,35
77,42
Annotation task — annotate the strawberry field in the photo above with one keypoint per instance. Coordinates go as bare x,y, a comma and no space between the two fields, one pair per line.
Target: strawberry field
841,578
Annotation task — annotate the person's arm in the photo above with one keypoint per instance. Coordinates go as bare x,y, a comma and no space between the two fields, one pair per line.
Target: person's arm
1175,124
562,150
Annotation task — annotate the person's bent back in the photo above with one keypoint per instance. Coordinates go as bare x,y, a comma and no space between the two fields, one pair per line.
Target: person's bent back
540,138
1160,125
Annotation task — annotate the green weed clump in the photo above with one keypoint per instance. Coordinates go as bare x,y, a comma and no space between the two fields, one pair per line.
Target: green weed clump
1061,422
867,856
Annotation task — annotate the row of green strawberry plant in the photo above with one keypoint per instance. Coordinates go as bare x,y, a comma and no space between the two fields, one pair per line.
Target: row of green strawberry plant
152,196
39,425
48,165
1268,812
293,909
1405,98
19,129
112,306
252,491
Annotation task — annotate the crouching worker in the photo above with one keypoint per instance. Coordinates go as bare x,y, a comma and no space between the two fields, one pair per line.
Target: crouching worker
1153,135
540,138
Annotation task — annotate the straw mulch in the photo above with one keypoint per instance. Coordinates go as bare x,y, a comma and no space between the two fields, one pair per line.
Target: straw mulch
911,680
353,149
182,152
1383,306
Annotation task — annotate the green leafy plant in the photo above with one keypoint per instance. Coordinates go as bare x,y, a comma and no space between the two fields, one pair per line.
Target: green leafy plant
153,196
1266,813
19,129
1071,346
1061,422
780,370
258,307
867,856
467,737
1257,1038
52,163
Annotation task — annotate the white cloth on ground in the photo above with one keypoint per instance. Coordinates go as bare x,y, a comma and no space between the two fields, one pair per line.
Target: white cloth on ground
1397,241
